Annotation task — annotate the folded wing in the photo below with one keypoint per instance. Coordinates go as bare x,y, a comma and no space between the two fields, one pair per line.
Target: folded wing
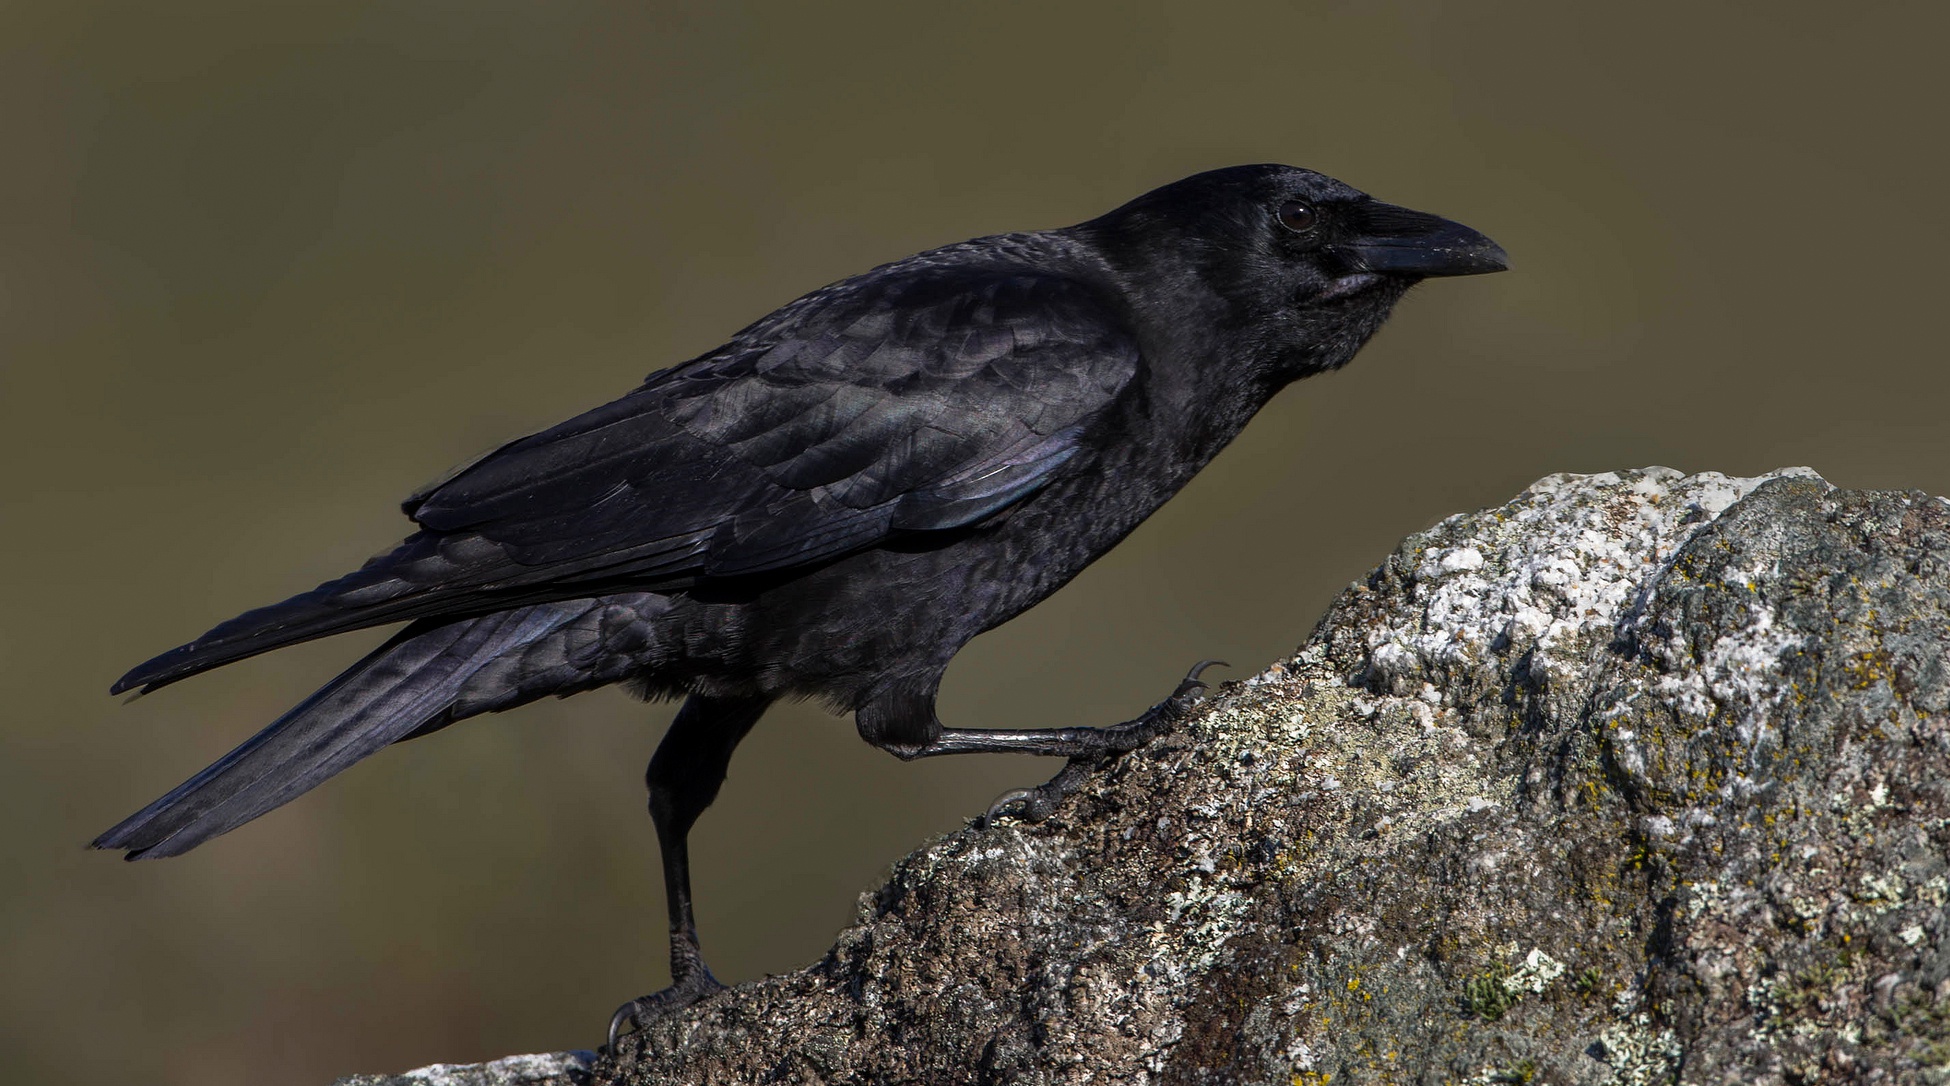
912,399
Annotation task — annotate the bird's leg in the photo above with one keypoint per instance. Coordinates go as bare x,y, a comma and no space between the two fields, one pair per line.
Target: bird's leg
684,777
1038,803
1088,749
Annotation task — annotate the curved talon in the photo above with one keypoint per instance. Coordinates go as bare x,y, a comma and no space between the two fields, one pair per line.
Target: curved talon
1037,803
625,1016
1026,796
1192,679
691,989
1040,802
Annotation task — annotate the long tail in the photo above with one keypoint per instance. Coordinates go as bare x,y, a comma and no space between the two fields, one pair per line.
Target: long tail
425,577
411,685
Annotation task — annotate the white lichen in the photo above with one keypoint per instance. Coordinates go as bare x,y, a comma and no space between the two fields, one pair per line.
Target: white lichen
1535,974
1554,569
1639,1054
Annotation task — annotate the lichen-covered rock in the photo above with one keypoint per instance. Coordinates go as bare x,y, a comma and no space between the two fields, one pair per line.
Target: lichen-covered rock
544,1069
1640,778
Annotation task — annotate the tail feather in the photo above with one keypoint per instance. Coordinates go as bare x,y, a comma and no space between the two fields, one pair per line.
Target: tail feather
406,686
427,577
382,591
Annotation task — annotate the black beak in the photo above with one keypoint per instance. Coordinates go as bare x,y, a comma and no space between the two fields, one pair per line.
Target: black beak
1399,241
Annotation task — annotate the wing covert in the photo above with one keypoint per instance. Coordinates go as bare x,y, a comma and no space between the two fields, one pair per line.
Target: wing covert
920,397
898,402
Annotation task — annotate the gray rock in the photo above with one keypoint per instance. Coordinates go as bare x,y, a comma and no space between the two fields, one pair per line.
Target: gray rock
1639,778
546,1069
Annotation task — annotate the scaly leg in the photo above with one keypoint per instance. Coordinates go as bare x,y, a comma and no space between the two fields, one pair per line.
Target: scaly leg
684,777
1089,749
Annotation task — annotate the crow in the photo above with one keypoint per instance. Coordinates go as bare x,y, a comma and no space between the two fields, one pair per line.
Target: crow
834,502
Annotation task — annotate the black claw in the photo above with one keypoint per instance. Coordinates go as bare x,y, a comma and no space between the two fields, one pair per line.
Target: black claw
1024,796
1202,667
1192,681
1026,805
625,1016
1036,804
682,994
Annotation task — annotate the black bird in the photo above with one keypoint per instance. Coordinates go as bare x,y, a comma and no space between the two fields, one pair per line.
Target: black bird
834,502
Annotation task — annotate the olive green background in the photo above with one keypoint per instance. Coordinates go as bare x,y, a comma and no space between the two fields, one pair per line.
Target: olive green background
264,268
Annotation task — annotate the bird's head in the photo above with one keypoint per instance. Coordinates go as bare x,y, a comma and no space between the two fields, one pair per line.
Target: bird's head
1303,266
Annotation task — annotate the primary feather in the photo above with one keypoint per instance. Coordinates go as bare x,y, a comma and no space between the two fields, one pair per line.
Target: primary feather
851,416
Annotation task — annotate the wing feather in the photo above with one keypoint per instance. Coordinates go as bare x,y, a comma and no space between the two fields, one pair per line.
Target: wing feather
924,396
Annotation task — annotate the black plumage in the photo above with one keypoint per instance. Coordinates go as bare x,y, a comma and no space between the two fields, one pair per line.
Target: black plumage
835,501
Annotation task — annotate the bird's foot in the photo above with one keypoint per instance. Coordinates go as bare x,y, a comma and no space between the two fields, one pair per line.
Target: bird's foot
1036,804
638,1013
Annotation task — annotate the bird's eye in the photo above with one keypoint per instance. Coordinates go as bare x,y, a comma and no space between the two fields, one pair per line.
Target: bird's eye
1297,216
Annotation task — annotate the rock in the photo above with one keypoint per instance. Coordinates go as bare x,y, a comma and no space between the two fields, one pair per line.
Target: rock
1639,778
547,1069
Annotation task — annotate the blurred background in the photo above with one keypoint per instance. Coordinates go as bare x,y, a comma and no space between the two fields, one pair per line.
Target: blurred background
265,268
